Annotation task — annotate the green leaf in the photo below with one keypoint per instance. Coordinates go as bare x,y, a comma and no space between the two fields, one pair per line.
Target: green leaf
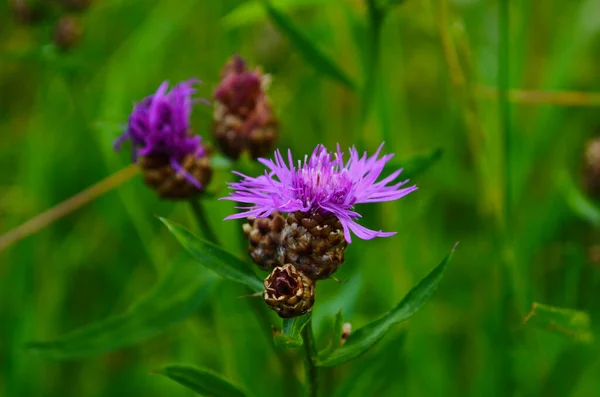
581,205
202,381
290,334
322,62
253,11
364,338
179,293
415,165
214,258
336,337
574,324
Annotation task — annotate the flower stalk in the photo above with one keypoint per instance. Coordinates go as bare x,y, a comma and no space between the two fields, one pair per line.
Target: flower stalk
200,214
310,351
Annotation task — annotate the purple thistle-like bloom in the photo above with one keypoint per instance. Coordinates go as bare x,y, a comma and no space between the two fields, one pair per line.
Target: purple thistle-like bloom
322,184
160,126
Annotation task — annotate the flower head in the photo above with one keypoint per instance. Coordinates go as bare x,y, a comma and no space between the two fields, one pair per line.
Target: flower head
160,126
321,184
243,118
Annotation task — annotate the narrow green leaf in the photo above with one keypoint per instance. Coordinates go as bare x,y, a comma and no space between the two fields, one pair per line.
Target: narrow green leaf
251,12
364,338
415,165
290,334
336,337
214,258
574,324
201,381
322,62
179,293
578,202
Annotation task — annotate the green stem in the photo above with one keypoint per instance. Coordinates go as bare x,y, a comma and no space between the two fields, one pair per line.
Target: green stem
310,351
200,215
509,313
504,106
376,16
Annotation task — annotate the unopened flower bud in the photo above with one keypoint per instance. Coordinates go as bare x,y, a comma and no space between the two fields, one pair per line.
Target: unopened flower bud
169,183
591,174
346,332
264,237
315,244
67,32
289,292
243,118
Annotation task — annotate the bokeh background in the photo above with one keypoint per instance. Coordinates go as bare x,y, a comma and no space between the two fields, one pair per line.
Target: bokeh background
523,226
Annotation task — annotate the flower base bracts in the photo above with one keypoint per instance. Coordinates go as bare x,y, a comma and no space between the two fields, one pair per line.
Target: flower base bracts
169,183
289,292
264,236
314,244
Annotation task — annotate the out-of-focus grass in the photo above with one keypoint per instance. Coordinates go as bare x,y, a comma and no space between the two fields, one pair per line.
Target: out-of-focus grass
60,112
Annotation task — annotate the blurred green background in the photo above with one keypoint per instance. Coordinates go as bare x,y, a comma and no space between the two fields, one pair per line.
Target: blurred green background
520,240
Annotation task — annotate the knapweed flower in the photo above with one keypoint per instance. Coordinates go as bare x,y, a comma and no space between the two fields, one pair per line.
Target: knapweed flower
319,195
174,161
243,118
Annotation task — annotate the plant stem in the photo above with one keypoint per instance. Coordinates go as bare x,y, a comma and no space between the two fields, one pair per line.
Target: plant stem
375,15
310,351
503,104
203,223
66,207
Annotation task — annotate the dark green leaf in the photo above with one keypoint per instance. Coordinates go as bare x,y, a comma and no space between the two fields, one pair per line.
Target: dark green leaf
306,47
572,323
364,338
336,337
578,202
214,258
290,334
202,381
415,165
178,294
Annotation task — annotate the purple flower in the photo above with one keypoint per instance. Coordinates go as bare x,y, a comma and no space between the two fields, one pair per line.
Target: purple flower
160,126
323,184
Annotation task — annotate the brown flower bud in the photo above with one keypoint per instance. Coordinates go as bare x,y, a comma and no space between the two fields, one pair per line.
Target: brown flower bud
67,32
264,237
289,292
170,184
243,118
314,244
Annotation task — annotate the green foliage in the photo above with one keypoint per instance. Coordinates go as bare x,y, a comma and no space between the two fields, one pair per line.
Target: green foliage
290,334
307,48
200,380
414,165
581,205
214,258
364,338
182,290
251,12
574,324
